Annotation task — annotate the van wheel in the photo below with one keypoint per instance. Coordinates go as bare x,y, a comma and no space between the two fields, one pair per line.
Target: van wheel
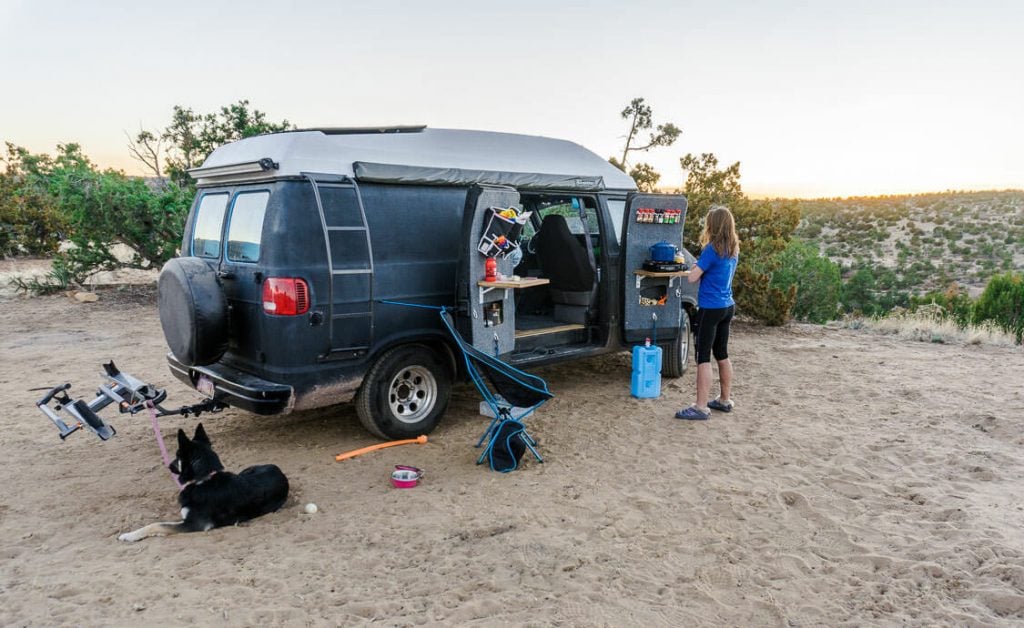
405,393
677,353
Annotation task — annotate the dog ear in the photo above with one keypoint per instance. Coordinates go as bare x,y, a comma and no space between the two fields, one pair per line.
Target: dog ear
183,441
201,435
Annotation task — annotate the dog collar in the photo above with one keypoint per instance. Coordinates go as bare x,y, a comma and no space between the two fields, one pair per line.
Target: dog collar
200,481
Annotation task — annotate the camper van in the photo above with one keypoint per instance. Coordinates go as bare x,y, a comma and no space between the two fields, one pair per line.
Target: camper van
313,262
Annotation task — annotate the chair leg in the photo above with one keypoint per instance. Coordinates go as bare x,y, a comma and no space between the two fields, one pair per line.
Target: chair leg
490,428
530,445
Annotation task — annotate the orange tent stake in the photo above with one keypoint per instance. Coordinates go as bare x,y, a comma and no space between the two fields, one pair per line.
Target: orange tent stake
365,450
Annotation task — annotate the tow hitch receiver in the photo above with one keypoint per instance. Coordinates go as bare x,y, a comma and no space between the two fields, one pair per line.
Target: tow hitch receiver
130,394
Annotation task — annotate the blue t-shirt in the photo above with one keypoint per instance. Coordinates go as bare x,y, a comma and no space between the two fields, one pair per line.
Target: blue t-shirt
716,282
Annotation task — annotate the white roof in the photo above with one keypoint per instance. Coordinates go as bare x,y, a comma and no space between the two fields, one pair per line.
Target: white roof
316,151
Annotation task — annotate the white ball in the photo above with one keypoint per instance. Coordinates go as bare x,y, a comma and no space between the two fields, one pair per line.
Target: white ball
310,508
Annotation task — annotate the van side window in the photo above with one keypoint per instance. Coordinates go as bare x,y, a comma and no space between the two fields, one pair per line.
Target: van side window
208,223
569,207
246,226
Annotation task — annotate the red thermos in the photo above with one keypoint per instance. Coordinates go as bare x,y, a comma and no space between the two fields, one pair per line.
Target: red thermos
491,269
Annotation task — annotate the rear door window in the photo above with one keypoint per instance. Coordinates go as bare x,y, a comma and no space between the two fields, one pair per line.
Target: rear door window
245,226
209,221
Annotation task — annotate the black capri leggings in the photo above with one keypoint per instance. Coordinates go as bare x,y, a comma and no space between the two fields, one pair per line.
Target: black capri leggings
713,333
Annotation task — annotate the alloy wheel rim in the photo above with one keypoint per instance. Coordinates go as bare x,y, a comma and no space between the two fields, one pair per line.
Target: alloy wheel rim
412,394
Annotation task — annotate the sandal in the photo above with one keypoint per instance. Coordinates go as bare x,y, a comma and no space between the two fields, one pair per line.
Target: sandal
716,404
693,414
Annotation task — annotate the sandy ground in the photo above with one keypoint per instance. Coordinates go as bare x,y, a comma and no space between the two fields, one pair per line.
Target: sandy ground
860,481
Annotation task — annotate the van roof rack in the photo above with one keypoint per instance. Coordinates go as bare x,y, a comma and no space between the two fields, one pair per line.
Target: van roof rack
366,130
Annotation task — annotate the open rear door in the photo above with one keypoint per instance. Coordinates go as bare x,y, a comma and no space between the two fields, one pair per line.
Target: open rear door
651,300
486,317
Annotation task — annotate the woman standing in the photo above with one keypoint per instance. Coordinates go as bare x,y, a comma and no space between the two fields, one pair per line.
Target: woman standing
714,270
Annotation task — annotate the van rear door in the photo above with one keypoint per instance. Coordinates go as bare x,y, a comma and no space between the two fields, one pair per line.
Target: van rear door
241,272
652,305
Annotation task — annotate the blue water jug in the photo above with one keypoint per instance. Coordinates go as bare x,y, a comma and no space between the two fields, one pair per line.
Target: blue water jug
646,382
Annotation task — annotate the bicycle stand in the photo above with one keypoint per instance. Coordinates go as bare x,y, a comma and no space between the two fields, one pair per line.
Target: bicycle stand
129,393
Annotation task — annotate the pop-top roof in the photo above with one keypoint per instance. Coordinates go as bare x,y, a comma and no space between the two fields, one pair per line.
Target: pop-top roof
417,155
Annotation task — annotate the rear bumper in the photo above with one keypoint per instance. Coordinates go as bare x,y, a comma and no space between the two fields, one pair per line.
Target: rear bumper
237,388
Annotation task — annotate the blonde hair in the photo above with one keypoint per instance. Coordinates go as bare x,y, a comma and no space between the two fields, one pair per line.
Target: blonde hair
720,232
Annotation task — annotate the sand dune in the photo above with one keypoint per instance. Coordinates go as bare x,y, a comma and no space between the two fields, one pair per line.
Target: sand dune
860,480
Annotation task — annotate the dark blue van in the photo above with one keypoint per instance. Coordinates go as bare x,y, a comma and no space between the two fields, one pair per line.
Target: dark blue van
299,245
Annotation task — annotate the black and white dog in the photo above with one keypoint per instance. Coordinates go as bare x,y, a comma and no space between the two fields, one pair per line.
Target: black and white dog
211,497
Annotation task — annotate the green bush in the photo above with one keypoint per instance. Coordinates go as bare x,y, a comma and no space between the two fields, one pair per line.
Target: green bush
107,208
954,303
1002,302
97,209
30,223
816,279
858,293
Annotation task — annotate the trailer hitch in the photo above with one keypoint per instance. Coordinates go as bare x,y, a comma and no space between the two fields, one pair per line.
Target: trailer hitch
129,393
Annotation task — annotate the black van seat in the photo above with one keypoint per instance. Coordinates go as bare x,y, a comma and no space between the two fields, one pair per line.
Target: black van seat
566,264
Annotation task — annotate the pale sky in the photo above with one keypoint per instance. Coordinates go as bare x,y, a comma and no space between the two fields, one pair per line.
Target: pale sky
827,98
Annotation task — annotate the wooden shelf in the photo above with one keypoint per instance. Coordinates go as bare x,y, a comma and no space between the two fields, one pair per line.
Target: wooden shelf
641,274
527,282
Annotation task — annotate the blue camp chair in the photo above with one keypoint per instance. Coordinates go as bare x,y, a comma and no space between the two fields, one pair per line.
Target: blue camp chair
515,396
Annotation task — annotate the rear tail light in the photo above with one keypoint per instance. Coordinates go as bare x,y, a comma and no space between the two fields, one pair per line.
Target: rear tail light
285,296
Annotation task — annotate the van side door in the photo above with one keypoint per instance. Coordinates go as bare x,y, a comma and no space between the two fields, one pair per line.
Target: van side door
652,300
486,313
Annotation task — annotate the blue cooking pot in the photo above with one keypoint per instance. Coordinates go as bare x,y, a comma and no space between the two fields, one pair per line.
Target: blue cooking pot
663,252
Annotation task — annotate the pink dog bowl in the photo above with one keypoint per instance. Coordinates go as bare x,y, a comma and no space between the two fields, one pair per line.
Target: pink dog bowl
405,477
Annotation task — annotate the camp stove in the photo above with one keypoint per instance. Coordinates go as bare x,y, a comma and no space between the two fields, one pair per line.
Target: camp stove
664,267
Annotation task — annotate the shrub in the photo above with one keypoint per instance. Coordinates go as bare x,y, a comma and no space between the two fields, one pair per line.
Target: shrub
953,303
816,279
29,220
108,208
1002,302
98,209
858,293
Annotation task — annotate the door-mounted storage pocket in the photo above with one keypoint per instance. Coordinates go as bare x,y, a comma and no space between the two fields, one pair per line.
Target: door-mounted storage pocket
500,234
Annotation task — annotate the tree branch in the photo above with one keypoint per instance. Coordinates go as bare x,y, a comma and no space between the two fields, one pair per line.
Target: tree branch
145,148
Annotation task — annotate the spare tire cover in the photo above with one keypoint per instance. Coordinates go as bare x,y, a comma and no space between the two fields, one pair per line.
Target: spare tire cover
193,311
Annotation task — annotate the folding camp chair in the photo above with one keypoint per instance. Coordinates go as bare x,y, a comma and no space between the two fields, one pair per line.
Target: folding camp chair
515,396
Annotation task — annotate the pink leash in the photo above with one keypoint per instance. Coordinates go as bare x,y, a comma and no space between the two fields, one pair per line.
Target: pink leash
160,442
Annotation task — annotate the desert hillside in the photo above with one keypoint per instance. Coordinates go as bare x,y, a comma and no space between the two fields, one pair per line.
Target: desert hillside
921,242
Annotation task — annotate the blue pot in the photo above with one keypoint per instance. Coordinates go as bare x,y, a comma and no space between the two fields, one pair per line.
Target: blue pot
663,252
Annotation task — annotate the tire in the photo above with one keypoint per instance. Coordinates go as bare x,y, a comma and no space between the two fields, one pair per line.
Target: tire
405,393
193,311
677,353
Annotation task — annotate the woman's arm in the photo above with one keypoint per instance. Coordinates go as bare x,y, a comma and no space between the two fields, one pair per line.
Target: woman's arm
695,274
